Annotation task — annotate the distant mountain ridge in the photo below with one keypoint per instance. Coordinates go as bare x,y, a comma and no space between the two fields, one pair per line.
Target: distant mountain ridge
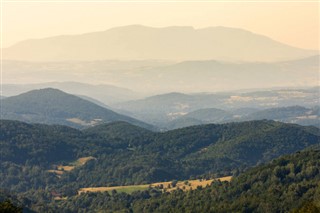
154,77
292,114
161,109
52,106
102,92
169,43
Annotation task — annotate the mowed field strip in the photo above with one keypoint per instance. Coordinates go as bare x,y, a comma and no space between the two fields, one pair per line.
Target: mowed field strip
164,186
60,169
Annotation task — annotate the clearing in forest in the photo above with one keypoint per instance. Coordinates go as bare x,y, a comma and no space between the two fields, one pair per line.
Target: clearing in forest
164,186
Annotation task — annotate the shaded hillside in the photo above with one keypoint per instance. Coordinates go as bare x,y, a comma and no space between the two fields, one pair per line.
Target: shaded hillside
201,116
210,115
292,114
52,106
161,109
102,92
290,183
125,154
181,123
287,184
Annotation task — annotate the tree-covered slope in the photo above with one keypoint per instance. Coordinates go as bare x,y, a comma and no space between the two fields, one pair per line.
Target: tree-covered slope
38,144
287,184
126,154
290,183
52,106
292,114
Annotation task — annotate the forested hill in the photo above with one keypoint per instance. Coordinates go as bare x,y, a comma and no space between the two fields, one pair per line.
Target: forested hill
290,183
125,154
287,184
52,106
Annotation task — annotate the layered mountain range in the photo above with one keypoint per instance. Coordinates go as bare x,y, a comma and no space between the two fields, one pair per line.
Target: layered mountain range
52,106
136,42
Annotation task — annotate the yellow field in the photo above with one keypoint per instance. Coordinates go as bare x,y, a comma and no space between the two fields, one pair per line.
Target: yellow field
190,185
79,162
84,160
164,186
65,168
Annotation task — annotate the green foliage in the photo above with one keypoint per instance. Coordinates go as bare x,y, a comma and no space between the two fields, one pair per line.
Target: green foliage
128,155
9,204
258,190
52,106
8,207
284,185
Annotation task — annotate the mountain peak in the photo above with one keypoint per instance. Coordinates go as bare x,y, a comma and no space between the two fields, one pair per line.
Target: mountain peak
47,90
139,26
53,106
175,43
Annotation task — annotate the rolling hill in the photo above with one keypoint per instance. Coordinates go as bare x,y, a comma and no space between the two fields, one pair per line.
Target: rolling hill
125,154
201,116
102,92
138,42
291,114
290,183
210,115
161,109
52,106
212,75
150,77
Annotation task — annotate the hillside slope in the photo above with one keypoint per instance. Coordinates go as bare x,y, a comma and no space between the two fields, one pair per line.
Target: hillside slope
127,155
287,184
52,106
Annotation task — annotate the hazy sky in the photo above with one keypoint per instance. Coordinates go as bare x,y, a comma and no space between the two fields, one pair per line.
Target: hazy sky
296,24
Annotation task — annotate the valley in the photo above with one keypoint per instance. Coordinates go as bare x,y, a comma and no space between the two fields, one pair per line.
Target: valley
159,106
120,149
166,111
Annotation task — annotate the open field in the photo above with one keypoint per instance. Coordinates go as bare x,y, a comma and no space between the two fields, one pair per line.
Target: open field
164,186
60,169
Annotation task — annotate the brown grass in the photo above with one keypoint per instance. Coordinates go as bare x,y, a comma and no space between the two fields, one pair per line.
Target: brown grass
79,162
65,168
84,160
189,184
166,186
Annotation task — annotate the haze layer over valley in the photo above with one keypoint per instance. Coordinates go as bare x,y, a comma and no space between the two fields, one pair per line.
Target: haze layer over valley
178,113
159,60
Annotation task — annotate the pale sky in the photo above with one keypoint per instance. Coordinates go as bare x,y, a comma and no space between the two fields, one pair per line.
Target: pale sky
293,23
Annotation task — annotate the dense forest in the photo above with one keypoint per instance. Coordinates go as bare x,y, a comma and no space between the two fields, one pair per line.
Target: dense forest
53,106
33,158
287,184
120,150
